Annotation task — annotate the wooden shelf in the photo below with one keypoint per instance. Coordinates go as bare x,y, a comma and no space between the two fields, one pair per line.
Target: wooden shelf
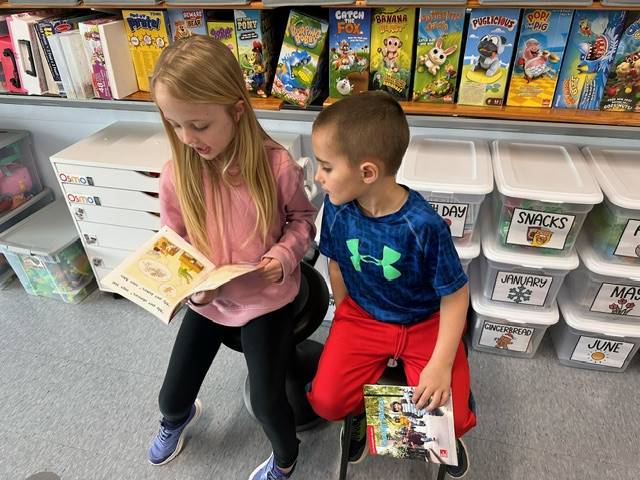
269,103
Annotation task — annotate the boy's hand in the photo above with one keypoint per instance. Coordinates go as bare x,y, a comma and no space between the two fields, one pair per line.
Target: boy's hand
434,386
270,269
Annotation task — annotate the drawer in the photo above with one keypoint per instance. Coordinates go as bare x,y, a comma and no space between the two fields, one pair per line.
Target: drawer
111,197
69,174
116,216
100,274
106,258
113,236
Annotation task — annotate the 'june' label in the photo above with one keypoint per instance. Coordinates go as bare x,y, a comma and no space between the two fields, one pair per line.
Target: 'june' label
602,351
539,229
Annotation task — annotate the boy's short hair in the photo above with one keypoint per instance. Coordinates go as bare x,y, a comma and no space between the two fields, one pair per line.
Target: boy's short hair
368,125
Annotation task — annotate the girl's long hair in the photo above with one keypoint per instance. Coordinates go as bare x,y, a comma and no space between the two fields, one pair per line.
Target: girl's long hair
200,69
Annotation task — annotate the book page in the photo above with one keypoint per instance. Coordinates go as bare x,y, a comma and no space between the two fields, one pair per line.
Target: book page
396,427
222,275
161,274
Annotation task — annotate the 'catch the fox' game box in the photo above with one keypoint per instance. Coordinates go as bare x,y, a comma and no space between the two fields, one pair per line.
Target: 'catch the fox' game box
148,35
543,38
487,57
392,32
299,70
590,51
349,54
438,54
622,93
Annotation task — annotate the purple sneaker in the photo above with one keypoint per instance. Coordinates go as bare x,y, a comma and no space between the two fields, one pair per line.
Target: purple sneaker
269,471
168,442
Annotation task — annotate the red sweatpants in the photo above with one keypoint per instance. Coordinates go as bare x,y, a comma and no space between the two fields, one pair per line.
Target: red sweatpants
357,352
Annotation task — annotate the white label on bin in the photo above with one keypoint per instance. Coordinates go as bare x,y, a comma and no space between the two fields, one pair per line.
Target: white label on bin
617,300
83,199
539,229
75,179
521,288
629,244
602,351
455,214
506,337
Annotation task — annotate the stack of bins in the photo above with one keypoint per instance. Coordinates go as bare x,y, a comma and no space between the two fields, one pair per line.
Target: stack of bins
455,176
544,192
21,192
45,252
601,304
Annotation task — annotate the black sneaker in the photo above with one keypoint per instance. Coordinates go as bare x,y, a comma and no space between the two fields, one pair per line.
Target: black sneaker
463,461
358,441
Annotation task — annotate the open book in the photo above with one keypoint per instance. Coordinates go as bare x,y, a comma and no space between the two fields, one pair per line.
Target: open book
396,427
167,270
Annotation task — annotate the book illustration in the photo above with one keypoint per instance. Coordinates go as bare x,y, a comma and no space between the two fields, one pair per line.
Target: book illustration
396,427
543,38
438,54
165,271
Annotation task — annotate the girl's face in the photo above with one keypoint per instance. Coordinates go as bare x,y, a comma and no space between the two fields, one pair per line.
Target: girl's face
208,128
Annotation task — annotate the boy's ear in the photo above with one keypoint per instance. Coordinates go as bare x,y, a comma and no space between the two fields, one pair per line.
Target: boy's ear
369,172
238,110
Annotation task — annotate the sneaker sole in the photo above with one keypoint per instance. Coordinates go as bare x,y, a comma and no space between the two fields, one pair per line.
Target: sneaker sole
180,443
468,461
364,453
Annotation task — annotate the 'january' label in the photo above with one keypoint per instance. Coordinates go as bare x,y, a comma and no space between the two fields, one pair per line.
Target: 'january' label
521,288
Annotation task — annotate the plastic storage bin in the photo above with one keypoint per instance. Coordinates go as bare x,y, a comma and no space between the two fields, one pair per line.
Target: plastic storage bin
603,287
544,194
454,175
590,341
614,225
19,180
512,330
468,252
46,254
523,277
14,216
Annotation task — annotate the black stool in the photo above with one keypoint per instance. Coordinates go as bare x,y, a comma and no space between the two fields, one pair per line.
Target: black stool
391,376
309,307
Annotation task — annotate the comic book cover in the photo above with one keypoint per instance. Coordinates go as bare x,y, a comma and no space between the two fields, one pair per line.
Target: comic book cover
622,93
590,51
225,31
148,34
349,54
184,22
300,64
392,39
543,38
397,428
438,54
487,57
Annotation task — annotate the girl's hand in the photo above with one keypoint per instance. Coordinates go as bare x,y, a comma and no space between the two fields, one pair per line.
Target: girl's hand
270,269
203,298
433,389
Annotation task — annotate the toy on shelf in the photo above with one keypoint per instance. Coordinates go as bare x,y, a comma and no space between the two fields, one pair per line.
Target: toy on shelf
19,180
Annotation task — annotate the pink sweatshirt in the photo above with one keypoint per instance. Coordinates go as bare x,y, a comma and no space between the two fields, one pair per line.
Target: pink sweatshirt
249,296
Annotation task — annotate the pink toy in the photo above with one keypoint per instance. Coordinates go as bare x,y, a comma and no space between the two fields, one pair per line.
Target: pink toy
15,180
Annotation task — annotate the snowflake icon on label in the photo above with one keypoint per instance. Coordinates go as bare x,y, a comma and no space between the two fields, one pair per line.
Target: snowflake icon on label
519,295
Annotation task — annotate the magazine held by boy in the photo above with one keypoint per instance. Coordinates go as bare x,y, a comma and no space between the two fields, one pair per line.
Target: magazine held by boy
396,427
167,270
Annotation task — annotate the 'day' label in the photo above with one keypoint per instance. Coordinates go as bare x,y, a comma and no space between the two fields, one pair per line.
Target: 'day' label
455,214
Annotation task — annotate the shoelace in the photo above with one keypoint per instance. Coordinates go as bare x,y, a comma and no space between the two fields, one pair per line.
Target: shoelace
164,433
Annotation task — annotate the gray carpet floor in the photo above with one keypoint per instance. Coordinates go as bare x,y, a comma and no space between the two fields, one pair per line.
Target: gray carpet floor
78,398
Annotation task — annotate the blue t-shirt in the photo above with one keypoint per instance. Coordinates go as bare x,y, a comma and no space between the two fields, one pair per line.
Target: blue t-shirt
396,267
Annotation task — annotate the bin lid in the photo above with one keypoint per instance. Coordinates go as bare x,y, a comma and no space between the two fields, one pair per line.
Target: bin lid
43,233
510,312
470,250
447,165
544,171
596,263
617,170
524,257
9,137
593,322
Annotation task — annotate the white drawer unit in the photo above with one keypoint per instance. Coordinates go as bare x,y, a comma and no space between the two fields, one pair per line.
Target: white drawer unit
112,197
106,258
70,175
113,236
114,216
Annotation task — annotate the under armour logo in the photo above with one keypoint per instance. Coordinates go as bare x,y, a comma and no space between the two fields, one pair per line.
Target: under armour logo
389,257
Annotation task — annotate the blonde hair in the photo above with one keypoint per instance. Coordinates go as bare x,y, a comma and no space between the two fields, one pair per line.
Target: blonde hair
200,69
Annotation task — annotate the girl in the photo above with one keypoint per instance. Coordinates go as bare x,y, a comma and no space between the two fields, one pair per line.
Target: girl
237,196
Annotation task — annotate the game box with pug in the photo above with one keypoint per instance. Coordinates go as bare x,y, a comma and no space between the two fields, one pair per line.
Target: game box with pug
438,49
543,38
392,34
491,36
349,50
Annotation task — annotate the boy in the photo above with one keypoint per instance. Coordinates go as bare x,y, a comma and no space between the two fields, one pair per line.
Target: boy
397,281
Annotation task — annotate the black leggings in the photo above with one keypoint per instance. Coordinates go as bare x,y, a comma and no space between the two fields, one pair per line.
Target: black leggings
267,342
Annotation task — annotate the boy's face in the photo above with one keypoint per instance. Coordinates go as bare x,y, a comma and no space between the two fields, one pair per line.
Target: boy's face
337,177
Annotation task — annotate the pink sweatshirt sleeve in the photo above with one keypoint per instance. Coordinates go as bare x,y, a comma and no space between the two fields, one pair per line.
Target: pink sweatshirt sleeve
170,213
299,213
